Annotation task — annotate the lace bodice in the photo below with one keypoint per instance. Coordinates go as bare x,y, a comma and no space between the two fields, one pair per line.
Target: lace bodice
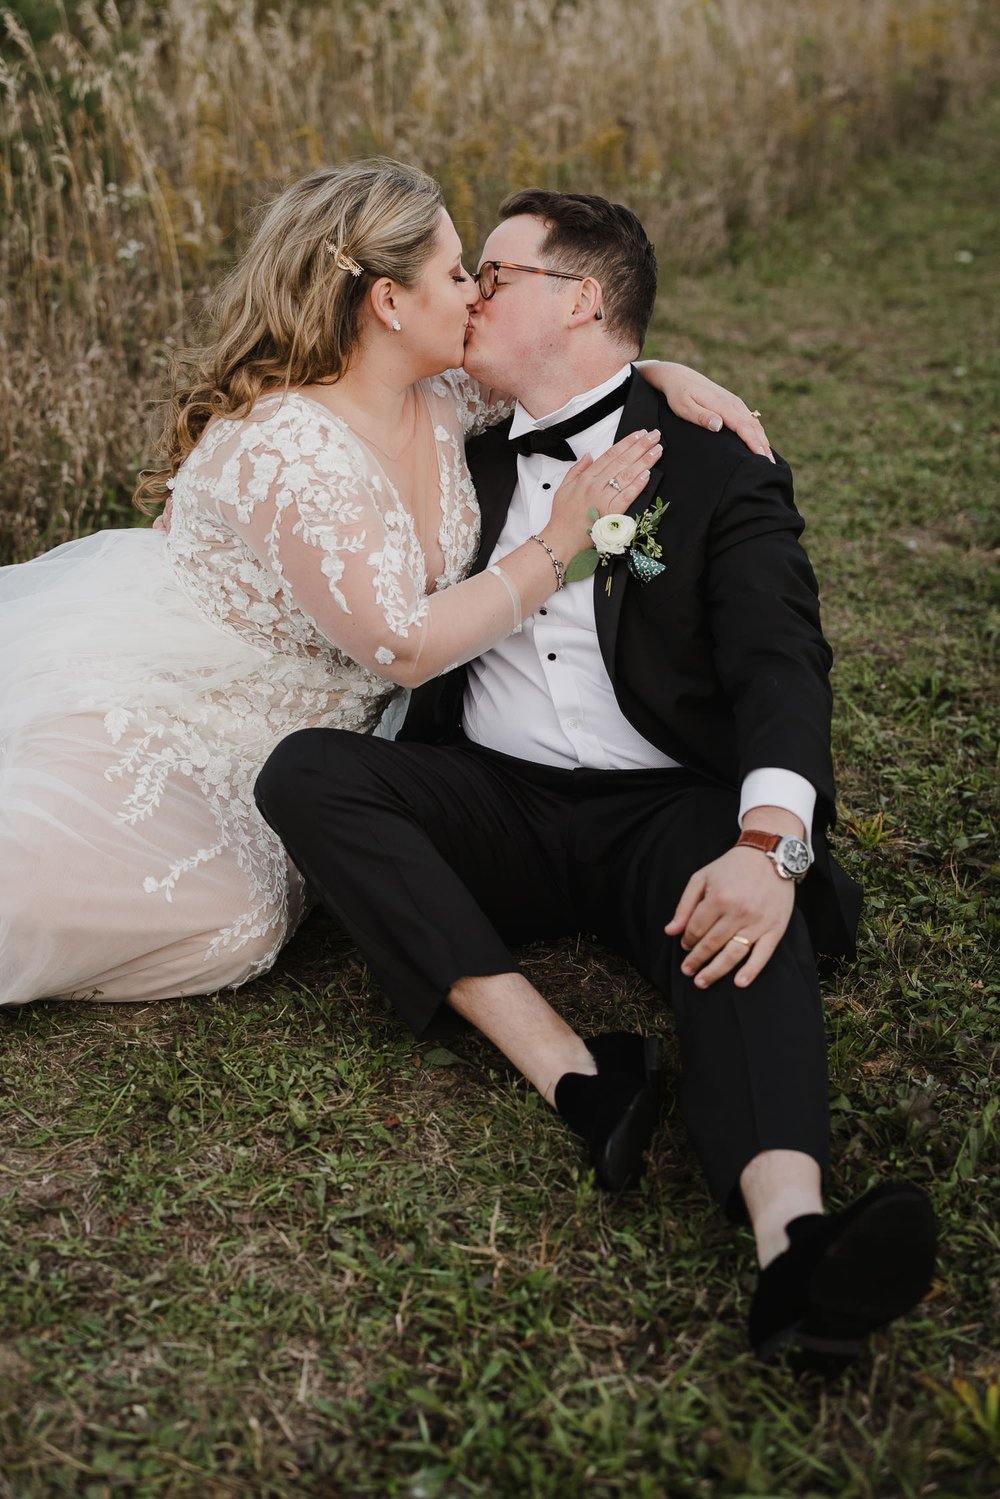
285,530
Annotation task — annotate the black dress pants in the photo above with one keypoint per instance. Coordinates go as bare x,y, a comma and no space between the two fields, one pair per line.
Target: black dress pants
437,859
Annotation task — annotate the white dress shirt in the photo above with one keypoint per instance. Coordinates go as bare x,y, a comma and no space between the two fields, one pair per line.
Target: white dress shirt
544,694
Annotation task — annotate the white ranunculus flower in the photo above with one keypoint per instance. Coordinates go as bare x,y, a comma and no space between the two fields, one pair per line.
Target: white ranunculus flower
613,534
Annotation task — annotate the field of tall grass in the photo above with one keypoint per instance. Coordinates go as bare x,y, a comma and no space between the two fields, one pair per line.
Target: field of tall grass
135,136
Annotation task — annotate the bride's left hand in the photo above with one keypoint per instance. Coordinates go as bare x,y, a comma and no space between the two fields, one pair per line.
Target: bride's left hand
697,399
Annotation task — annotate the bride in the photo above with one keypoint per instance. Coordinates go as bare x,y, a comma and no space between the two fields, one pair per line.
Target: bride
320,521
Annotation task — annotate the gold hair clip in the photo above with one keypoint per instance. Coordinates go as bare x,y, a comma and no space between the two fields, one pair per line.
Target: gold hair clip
343,262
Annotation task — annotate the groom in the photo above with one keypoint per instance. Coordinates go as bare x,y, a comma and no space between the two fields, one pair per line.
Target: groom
648,759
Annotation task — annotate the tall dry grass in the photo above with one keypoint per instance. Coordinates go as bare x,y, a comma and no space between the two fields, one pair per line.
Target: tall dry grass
135,135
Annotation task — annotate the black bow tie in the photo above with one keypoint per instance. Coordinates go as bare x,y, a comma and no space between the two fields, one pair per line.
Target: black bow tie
552,440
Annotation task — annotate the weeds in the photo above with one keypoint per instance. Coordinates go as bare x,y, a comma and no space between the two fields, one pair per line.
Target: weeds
135,137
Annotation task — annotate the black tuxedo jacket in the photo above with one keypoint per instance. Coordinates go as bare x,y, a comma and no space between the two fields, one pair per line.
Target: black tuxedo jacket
720,660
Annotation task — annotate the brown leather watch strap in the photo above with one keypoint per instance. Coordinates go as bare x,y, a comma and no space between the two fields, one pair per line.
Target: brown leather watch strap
757,838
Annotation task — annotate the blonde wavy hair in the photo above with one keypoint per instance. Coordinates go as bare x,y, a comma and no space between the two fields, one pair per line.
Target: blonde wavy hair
290,311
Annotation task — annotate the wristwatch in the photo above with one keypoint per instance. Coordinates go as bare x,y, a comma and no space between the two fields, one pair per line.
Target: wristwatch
789,855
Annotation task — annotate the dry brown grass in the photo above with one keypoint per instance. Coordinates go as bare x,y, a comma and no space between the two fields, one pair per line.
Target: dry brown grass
134,137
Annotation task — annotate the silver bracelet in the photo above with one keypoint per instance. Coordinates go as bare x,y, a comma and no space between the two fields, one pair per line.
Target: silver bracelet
558,568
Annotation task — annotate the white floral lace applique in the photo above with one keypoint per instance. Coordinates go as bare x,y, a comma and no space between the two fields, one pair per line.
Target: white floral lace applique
295,479
479,408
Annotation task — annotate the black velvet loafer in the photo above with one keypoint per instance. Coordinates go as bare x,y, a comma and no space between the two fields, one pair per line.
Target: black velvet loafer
842,1276
615,1110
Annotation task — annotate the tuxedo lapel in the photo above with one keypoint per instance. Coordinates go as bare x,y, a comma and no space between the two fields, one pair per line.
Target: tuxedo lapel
641,410
435,711
493,466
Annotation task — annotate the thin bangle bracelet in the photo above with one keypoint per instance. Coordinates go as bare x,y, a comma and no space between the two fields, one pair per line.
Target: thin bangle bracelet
557,566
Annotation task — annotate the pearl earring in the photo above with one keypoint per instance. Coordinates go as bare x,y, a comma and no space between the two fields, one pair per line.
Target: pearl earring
397,326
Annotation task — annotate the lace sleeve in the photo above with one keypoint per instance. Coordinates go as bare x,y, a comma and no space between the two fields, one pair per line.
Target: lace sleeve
305,501
478,407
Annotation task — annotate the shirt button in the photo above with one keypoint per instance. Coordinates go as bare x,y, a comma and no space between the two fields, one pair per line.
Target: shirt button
552,655
543,611
572,723
546,486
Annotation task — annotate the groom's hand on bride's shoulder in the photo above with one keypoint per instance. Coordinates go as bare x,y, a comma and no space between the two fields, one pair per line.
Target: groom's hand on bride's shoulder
732,914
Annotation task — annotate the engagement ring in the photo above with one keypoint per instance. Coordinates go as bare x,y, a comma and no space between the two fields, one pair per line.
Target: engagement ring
614,484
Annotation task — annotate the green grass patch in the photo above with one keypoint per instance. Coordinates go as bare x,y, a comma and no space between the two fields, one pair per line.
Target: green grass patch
263,1244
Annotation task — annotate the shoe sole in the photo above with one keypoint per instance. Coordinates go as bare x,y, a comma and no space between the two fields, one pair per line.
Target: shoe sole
881,1266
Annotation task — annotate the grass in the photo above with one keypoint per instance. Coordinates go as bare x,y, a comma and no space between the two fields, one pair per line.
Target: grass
262,1244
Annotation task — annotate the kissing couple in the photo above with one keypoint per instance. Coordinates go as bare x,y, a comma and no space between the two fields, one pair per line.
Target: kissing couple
384,473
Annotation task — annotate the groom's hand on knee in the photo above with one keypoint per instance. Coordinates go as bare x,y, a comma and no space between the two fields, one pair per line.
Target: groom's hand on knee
732,914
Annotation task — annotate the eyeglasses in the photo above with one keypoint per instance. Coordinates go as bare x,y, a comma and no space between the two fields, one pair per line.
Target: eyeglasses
486,275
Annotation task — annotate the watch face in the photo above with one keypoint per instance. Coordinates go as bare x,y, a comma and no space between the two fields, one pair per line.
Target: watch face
794,854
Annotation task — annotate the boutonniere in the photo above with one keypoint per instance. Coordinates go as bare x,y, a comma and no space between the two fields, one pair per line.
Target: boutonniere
622,536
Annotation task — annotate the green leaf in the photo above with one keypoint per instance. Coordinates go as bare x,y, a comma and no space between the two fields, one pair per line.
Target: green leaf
593,514
583,565
440,1056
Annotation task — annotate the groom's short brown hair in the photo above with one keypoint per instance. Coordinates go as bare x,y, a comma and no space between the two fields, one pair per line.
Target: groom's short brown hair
600,239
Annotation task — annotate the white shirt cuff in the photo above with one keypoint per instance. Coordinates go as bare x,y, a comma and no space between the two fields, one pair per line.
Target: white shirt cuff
772,787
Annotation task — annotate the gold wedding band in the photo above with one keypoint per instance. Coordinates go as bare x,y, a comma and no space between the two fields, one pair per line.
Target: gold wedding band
743,941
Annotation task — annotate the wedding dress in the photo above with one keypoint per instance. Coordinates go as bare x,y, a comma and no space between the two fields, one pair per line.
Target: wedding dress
145,676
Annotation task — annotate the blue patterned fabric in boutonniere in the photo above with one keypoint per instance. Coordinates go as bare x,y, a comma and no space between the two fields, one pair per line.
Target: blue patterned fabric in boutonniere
644,568
621,536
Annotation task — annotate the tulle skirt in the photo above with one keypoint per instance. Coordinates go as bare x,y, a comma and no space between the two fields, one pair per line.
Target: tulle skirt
133,863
